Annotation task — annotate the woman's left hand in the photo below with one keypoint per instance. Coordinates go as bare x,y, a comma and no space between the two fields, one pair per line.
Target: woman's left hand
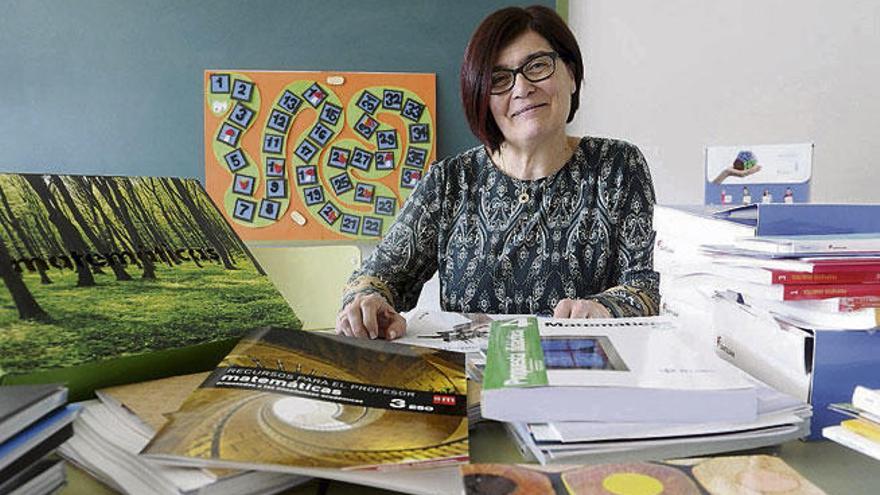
580,308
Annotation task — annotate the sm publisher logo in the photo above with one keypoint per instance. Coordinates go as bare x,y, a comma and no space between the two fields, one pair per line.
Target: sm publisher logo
444,400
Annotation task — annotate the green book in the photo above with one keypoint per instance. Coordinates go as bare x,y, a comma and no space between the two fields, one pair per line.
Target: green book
110,280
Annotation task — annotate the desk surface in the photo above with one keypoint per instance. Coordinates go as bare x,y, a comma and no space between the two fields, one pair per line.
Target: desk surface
831,467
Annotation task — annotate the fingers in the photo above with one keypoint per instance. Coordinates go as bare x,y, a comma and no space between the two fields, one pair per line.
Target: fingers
563,308
369,317
580,308
395,325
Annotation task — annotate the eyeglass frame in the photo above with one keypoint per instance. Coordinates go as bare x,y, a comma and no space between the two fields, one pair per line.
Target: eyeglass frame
519,70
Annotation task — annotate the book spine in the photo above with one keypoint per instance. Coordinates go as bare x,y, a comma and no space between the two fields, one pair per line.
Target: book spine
852,440
802,292
867,399
842,277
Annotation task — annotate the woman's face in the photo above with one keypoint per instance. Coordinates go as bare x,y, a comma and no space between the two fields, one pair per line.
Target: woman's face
531,111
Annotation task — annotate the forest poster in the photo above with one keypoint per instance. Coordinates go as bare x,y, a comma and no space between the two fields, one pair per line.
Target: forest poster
96,268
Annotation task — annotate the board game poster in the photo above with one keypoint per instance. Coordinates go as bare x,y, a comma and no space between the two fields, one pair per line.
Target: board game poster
316,155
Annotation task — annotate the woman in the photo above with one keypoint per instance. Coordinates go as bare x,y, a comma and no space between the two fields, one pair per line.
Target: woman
534,221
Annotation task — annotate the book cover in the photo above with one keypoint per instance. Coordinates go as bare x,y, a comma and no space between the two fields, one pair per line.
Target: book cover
283,400
607,370
22,405
110,280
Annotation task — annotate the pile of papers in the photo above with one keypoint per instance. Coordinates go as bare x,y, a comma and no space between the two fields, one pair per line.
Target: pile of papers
626,389
111,431
789,291
742,412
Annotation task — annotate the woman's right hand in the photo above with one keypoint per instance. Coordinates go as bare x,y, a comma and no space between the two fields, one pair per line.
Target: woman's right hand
370,316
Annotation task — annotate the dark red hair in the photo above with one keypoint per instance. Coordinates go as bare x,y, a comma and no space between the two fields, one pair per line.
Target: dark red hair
494,34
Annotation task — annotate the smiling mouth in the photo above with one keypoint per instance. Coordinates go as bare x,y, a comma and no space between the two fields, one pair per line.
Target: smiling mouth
526,109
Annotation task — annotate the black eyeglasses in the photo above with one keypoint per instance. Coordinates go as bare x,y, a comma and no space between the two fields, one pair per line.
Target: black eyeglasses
540,66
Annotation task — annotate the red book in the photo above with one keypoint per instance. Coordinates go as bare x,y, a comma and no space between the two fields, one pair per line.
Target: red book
860,276
799,292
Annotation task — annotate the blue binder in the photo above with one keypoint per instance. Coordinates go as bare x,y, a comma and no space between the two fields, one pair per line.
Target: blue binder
806,218
841,360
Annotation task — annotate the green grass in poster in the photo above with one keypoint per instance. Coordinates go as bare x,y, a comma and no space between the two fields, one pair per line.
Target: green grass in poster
184,306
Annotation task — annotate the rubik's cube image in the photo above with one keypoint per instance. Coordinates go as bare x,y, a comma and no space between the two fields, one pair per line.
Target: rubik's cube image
745,160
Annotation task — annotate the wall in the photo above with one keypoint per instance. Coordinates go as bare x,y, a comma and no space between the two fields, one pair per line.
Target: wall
115,87
678,75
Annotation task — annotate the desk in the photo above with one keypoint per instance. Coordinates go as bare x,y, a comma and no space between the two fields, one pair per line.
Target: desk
833,468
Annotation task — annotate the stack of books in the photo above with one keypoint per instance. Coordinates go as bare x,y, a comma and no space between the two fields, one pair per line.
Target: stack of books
34,421
862,431
369,412
778,284
604,390
112,430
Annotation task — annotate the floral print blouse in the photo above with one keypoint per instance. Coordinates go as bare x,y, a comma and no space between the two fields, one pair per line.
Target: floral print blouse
509,246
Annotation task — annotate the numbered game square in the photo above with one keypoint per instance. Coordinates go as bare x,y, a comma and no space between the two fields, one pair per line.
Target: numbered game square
364,193
274,167
279,121
386,140
313,195
385,205
241,115
315,95
372,226
330,113
412,110
244,210
321,134
243,184
219,83
242,90
269,209
306,150
416,157
306,175
329,212
410,178
276,188
229,134
361,159
419,133
350,224
392,99
235,160
338,157
290,102
368,102
273,143
366,126
341,184
385,160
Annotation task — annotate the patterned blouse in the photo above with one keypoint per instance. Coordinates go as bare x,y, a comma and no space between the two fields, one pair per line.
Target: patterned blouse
509,246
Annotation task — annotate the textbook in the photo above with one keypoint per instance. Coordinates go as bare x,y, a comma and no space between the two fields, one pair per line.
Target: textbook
111,280
22,405
37,440
294,401
545,370
769,276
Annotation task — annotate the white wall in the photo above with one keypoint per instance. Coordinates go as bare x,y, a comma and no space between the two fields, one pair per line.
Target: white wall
674,76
